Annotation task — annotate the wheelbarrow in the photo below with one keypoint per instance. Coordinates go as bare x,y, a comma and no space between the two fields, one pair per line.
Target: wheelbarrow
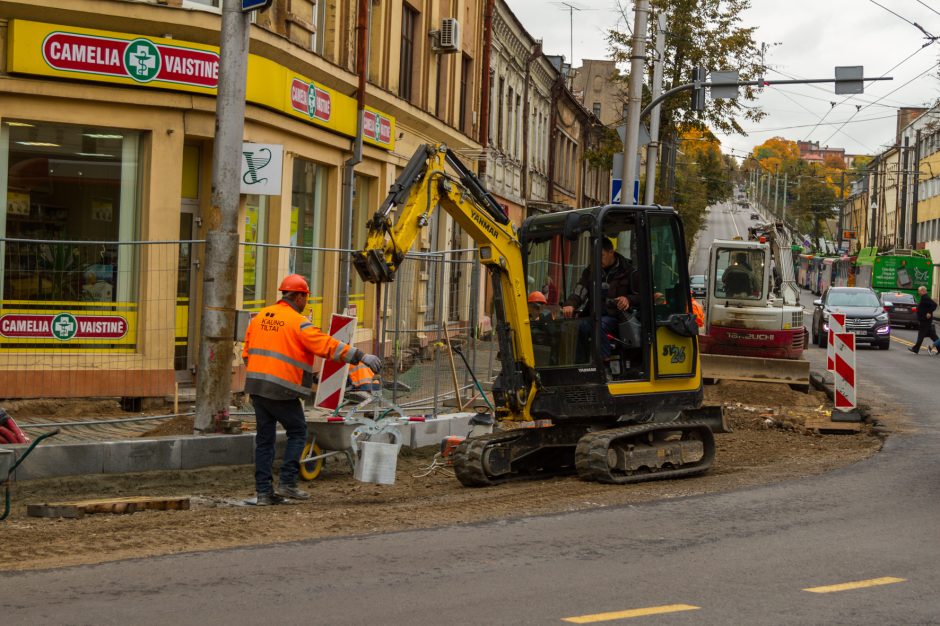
6,480
336,435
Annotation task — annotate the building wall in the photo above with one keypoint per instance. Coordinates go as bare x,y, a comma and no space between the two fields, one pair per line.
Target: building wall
593,86
173,125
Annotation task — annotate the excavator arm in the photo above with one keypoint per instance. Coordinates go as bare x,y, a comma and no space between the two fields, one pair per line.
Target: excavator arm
424,186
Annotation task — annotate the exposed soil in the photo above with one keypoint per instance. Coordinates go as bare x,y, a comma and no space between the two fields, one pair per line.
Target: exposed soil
761,450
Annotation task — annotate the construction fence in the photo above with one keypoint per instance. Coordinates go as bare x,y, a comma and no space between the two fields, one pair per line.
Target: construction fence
92,319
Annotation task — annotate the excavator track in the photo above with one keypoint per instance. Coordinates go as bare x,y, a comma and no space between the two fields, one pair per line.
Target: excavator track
521,454
645,452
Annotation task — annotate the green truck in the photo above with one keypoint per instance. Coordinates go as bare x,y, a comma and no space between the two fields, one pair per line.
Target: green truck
896,271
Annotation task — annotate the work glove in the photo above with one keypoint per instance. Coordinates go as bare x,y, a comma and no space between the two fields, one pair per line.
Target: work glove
373,362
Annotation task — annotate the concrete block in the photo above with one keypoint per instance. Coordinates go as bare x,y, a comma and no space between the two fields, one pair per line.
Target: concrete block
429,433
144,455
7,459
459,423
67,459
206,450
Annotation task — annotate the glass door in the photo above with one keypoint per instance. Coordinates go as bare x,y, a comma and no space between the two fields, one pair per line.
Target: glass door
188,265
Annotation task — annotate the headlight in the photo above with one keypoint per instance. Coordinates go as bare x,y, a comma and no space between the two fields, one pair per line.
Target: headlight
882,317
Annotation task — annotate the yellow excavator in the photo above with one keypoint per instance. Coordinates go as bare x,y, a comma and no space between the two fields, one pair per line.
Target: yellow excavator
611,394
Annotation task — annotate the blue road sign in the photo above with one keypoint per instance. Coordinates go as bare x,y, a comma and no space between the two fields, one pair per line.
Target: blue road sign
615,191
255,5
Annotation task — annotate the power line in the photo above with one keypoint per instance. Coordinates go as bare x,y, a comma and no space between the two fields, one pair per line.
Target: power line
914,24
928,6
771,130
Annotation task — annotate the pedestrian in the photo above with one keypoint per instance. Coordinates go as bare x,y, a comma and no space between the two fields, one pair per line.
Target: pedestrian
279,349
925,311
699,313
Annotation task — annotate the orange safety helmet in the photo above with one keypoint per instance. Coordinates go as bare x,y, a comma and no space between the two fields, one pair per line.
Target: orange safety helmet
537,296
294,283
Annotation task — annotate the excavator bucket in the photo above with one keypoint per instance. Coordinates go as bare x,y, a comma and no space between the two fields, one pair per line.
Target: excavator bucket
755,369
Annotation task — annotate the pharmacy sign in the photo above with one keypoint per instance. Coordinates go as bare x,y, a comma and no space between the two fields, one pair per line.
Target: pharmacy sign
62,326
139,59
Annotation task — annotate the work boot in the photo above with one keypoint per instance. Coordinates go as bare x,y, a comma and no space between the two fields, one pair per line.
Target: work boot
913,350
292,492
267,499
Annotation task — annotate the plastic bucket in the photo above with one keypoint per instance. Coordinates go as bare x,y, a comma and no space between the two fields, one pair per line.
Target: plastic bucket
377,462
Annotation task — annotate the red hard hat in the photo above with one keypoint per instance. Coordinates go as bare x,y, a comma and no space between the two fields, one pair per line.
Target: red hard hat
294,282
537,296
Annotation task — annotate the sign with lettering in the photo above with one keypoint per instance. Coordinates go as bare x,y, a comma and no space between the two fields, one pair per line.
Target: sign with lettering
54,50
262,164
62,326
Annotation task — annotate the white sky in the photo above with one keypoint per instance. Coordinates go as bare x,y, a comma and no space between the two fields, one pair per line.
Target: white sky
811,37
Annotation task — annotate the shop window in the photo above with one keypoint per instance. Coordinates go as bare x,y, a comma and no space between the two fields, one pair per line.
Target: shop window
71,184
256,219
362,211
308,228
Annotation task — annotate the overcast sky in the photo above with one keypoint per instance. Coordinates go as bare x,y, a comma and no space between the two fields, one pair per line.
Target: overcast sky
809,38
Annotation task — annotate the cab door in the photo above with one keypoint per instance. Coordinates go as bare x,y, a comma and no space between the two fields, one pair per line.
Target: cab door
675,345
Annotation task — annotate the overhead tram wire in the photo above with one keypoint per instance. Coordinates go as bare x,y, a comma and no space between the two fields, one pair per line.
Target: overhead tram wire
928,6
796,126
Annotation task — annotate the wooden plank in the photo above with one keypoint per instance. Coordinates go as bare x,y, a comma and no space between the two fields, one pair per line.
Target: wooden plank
824,423
116,506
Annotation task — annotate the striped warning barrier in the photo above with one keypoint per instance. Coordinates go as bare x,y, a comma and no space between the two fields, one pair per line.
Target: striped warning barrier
333,374
844,371
836,325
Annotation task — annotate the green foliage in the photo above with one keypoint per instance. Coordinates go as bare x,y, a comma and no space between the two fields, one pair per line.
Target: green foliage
602,155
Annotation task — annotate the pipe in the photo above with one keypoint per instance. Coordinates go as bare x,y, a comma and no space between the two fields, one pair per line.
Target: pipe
485,98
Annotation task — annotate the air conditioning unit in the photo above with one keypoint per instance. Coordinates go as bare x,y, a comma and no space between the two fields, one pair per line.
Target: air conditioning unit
449,37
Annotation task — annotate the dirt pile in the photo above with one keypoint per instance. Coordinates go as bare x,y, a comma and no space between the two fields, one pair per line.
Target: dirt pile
420,498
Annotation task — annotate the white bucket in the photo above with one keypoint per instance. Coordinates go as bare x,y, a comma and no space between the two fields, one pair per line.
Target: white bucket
377,462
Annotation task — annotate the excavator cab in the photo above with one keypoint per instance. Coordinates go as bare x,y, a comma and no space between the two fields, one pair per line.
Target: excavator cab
601,362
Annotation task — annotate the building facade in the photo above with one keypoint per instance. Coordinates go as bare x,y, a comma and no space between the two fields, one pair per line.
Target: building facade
107,119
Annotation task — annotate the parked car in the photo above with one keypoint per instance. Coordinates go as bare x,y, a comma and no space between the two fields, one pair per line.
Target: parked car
864,315
901,308
755,216
697,283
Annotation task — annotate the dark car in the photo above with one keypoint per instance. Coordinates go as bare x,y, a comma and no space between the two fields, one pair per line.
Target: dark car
755,216
864,315
901,308
697,283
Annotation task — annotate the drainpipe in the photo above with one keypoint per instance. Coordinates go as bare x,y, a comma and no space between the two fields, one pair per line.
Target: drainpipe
485,98
536,53
349,172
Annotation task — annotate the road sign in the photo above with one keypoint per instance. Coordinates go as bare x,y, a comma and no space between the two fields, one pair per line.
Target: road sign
848,234
849,79
333,374
724,91
255,5
615,191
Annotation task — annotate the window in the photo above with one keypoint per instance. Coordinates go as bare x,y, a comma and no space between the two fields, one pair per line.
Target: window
409,23
76,183
499,113
439,79
319,20
517,120
362,211
308,225
256,218
596,109
466,66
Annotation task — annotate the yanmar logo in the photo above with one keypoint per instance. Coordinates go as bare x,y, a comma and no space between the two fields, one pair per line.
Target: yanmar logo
484,224
311,100
138,59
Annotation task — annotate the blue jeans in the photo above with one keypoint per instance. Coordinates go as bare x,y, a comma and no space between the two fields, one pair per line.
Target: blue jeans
609,326
268,413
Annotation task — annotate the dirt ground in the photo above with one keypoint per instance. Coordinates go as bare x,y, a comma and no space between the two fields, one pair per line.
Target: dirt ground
765,447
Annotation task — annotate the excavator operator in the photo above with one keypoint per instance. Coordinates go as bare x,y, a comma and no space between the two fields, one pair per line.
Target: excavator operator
616,290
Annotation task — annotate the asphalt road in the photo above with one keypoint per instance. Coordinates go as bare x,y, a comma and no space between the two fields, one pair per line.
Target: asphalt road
856,546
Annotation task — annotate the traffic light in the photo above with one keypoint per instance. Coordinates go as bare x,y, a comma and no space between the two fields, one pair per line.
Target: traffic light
698,91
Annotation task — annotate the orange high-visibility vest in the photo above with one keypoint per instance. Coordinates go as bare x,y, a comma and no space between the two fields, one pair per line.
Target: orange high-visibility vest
279,349
362,377
699,313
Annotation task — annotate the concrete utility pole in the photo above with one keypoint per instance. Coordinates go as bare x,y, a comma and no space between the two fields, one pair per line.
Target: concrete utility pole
840,227
783,215
777,192
649,191
902,220
916,189
214,376
635,99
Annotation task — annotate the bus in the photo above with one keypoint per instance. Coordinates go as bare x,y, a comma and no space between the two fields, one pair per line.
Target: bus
896,271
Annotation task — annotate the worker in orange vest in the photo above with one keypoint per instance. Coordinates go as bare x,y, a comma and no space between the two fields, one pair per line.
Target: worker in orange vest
280,346
362,378
699,312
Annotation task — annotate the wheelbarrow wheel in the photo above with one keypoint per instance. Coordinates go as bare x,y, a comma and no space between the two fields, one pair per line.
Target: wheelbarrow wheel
311,469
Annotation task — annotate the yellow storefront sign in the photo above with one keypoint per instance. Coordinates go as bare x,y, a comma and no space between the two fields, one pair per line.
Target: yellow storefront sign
104,56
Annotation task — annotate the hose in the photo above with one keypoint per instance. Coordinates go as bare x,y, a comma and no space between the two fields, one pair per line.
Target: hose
475,381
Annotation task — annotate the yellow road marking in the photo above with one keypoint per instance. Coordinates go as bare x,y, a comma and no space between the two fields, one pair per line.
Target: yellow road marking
905,342
859,584
650,610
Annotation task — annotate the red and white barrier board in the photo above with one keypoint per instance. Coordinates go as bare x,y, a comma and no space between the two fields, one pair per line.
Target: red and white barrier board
333,374
844,371
836,325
